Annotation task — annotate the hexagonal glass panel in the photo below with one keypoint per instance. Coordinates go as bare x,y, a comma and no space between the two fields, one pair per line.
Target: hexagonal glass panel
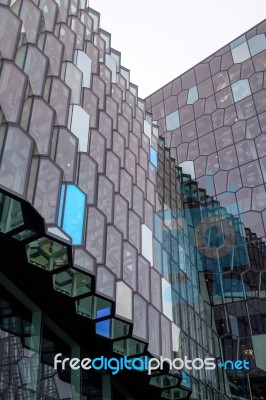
112,328
10,214
47,254
23,235
128,347
72,283
93,307
164,381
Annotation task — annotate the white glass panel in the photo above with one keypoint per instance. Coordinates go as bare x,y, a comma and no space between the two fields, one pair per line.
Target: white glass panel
79,124
123,300
58,233
188,168
111,64
240,53
241,89
175,337
147,247
172,121
84,63
167,299
147,129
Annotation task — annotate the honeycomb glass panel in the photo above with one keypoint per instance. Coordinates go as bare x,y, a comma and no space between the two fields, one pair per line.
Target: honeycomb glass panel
93,307
10,214
47,254
23,235
128,347
172,121
72,283
10,25
112,328
12,87
15,160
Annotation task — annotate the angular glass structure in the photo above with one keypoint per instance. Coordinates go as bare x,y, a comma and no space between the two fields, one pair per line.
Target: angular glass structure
218,144
110,247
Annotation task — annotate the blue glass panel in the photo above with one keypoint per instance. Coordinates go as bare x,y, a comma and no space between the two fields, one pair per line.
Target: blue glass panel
61,204
172,121
186,380
103,328
104,312
257,44
241,89
192,95
71,216
153,156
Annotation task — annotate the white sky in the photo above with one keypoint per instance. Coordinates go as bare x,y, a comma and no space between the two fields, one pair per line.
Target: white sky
159,40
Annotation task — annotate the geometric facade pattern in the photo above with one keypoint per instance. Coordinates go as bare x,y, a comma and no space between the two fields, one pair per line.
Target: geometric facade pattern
213,120
96,220
214,116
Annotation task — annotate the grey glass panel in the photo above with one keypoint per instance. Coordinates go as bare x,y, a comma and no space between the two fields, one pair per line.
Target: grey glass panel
154,332
114,250
96,228
121,214
87,177
166,338
156,289
12,86
54,51
112,172
140,327
59,100
105,197
66,152
10,25
41,125
144,277
97,149
246,151
16,158
31,16
47,190
105,282
73,78
130,265
35,67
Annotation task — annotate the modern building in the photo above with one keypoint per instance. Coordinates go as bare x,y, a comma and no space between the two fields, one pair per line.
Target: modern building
110,247
212,118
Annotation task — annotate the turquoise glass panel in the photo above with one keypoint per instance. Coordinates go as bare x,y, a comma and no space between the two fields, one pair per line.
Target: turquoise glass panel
186,380
153,156
72,212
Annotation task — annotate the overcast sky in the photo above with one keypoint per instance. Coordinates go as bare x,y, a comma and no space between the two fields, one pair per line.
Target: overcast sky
161,39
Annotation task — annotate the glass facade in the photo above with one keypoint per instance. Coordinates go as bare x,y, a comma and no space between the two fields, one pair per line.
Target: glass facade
110,248
212,119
